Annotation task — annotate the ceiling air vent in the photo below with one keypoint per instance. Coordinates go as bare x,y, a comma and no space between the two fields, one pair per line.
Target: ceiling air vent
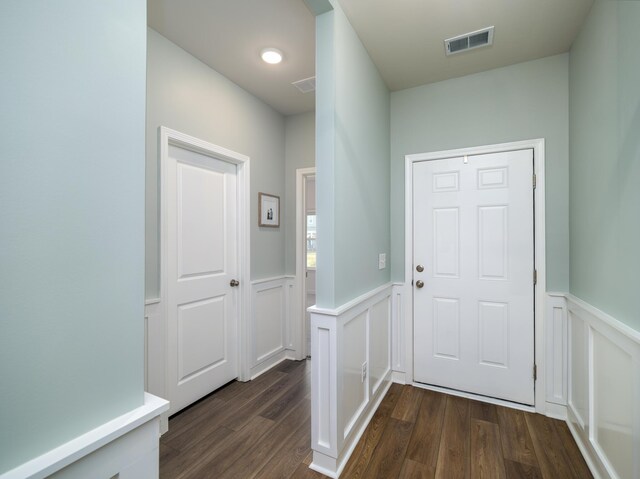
469,41
306,85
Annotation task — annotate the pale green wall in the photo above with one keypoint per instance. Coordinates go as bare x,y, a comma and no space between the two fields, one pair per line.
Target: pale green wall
605,160
72,219
300,142
352,164
519,102
186,95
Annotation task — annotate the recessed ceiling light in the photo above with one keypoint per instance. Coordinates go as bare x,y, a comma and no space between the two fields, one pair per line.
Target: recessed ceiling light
271,55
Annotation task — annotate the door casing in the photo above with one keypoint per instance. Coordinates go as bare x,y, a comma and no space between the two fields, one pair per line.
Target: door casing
538,146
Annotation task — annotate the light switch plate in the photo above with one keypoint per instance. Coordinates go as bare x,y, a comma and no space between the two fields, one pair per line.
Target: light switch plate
382,261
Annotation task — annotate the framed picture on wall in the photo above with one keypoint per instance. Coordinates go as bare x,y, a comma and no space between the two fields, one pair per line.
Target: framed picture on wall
268,210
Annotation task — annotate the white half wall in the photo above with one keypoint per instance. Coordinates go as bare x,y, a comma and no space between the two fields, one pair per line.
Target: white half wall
350,373
126,447
604,390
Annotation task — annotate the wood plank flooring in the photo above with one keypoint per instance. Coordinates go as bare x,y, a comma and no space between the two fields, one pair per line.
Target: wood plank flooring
261,429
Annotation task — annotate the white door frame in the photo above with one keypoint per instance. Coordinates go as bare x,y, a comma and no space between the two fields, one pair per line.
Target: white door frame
171,137
301,258
539,251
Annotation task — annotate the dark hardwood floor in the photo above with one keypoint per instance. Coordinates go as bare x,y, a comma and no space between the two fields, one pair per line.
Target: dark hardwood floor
261,429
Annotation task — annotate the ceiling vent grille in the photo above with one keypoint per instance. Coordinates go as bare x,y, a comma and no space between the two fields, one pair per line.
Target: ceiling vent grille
469,41
305,86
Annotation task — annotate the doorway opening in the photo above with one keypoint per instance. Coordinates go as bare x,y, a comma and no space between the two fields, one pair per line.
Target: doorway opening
306,248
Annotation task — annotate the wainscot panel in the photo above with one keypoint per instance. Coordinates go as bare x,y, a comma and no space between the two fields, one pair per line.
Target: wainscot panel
271,328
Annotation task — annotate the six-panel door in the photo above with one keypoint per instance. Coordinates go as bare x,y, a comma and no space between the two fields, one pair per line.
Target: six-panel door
474,237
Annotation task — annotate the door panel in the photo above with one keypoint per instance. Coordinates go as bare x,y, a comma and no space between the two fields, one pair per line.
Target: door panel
201,204
201,228
473,234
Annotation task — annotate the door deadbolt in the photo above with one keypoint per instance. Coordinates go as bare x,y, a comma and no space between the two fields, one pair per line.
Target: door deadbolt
419,283
234,282
419,268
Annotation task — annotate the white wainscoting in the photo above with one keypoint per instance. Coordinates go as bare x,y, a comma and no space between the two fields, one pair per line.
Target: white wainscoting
556,350
270,329
154,355
342,401
398,336
126,447
604,390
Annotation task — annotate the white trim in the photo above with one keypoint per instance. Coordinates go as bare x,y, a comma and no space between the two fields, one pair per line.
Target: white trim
398,377
267,364
257,282
168,137
148,302
398,308
598,316
74,450
556,411
354,303
538,146
300,330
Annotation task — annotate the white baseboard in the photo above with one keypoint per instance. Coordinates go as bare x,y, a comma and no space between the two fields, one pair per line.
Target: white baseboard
399,377
556,411
266,365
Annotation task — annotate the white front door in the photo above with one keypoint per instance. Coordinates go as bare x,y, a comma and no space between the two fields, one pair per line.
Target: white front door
201,215
473,263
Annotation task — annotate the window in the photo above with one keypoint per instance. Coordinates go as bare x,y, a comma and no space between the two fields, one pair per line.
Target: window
311,241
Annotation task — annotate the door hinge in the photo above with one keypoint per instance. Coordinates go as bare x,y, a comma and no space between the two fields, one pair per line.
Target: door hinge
534,181
535,372
535,276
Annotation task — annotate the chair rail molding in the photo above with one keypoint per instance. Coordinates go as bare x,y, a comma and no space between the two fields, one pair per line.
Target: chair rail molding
125,447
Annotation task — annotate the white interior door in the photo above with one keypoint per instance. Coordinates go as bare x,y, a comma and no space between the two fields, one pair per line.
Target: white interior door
474,299
201,214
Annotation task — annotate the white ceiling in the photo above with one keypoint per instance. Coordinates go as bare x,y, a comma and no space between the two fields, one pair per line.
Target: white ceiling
228,35
403,37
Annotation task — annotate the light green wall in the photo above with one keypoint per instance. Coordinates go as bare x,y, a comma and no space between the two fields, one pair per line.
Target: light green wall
72,219
352,164
300,142
605,160
186,95
519,102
